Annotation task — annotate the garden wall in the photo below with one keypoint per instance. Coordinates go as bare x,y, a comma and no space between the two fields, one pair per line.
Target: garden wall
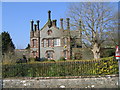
91,82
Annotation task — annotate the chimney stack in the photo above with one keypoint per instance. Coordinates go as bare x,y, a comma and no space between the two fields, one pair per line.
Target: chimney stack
68,25
38,24
35,27
49,15
31,24
80,28
79,24
54,22
61,23
49,19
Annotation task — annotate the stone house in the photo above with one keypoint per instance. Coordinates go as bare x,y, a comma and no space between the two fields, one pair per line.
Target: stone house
54,42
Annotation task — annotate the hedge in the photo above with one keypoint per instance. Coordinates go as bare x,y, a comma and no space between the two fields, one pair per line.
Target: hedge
104,66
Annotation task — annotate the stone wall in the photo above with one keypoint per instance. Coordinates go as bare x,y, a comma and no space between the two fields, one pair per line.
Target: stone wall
98,82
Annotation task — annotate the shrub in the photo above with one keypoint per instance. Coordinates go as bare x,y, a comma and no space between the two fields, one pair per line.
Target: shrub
52,60
103,66
107,66
62,59
107,53
43,59
31,59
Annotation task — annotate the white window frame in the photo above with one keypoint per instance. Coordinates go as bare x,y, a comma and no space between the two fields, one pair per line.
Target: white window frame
44,42
57,42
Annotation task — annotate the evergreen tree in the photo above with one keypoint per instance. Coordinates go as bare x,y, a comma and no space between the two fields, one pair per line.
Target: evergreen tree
0,47
28,47
7,44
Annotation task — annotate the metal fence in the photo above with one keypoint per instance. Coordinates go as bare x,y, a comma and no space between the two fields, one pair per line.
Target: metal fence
105,66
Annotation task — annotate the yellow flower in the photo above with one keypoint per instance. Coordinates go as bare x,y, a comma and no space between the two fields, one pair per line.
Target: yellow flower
65,46
111,67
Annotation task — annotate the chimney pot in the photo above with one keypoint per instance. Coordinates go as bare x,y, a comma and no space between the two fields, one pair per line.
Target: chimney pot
35,27
31,24
49,15
38,24
54,22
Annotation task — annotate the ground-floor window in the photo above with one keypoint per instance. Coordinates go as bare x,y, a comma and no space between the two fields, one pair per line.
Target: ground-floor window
65,54
50,42
34,53
49,54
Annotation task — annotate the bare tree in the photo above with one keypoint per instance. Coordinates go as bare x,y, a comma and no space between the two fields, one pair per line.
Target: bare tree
96,21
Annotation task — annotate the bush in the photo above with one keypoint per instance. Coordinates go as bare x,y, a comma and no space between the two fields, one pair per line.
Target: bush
52,60
107,53
31,59
9,58
104,66
37,59
22,60
62,59
43,59
107,66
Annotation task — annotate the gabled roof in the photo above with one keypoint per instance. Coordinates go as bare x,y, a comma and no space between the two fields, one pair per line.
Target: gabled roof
47,24
44,25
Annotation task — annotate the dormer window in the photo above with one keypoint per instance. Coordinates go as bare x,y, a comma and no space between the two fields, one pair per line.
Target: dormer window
49,32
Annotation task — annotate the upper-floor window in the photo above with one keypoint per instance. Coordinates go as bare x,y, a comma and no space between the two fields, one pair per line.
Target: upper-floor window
65,41
57,42
50,42
44,43
34,42
49,32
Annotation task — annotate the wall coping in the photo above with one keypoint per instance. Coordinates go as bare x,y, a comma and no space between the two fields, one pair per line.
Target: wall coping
64,77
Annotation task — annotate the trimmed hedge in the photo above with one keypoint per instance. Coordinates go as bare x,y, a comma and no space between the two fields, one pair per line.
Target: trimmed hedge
104,66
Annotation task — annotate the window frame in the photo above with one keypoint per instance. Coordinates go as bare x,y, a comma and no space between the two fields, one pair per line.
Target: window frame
50,54
57,42
34,42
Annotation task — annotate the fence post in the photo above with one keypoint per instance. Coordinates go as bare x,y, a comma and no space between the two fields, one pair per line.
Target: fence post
119,38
